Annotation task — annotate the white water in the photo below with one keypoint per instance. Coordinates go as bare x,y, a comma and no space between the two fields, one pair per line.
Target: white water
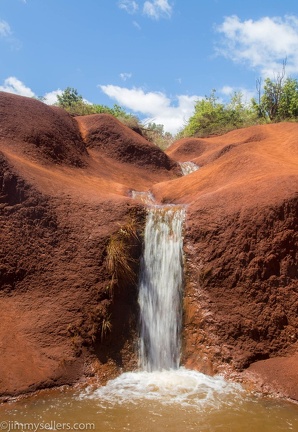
188,167
181,387
144,197
160,289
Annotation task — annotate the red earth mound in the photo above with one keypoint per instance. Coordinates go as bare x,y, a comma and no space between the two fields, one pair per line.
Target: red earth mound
65,206
106,134
32,128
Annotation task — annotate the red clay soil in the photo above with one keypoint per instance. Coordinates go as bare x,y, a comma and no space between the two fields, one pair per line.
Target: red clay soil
40,132
65,186
276,375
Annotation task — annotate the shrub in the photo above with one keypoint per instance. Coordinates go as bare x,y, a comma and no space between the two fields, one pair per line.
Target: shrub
212,117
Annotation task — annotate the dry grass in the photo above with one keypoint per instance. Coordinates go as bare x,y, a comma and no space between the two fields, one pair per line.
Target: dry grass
106,327
120,263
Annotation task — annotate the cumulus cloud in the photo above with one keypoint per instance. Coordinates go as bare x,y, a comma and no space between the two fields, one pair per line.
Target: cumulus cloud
51,97
157,9
129,6
5,29
125,75
262,44
154,106
15,86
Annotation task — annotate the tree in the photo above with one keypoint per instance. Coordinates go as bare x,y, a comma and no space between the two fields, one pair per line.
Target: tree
213,117
279,100
288,103
69,98
155,133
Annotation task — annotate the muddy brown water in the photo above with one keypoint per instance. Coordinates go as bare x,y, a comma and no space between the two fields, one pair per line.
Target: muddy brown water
180,400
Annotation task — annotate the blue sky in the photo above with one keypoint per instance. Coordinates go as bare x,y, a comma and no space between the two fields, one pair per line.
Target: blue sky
155,58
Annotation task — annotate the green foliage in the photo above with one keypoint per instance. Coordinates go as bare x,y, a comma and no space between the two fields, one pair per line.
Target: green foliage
213,117
69,98
288,104
279,100
155,133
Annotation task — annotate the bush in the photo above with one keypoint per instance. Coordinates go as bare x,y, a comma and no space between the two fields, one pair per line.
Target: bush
212,117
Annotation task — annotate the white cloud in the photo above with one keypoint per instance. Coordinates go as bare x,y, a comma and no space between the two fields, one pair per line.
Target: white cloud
125,75
137,25
262,44
247,94
5,30
51,97
129,6
154,106
227,90
15,86
157,8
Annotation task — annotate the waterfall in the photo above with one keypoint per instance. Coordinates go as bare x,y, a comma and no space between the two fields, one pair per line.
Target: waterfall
160,289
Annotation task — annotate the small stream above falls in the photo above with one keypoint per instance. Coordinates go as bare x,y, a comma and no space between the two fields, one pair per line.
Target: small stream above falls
188,167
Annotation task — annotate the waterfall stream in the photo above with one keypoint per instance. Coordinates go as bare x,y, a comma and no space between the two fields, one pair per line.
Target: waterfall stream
160,289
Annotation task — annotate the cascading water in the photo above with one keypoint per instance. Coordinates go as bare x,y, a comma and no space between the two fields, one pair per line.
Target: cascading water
160,289
188,167
160,299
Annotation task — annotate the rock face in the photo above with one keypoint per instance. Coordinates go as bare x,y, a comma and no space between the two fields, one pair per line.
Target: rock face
70,243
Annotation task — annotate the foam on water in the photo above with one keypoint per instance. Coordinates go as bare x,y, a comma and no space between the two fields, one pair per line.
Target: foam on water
144,197
185,387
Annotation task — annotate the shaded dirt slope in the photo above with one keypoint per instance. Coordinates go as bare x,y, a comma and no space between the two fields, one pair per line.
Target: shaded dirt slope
104,133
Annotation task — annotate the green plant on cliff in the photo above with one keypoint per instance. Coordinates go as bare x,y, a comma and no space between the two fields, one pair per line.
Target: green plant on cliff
76,105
